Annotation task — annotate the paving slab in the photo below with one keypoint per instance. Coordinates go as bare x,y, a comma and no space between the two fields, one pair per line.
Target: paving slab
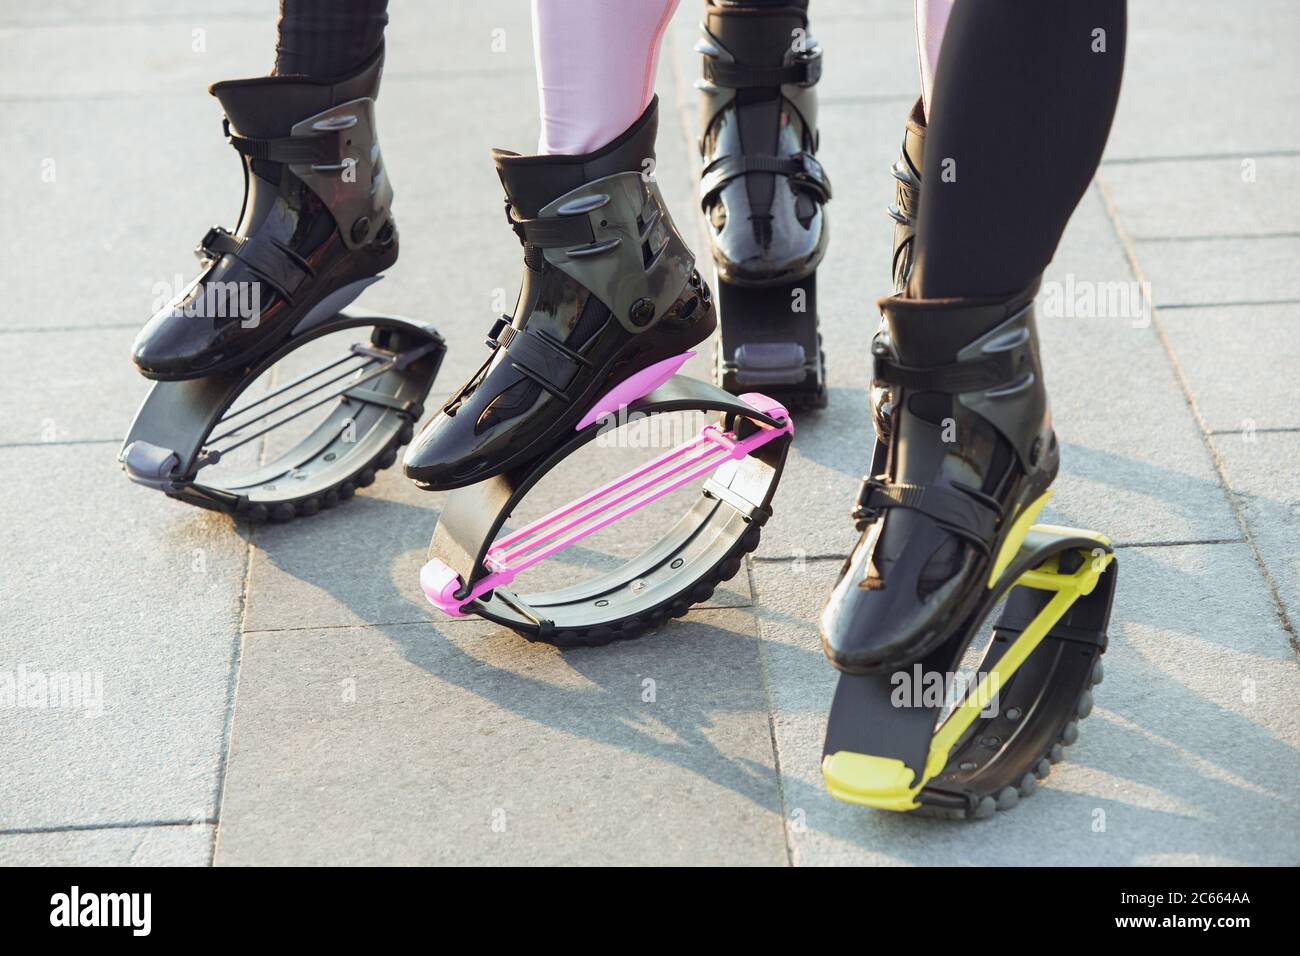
1189,756
1221,271
869,52
132,241
1133,463
1197,81
148,49
183,845
489,37
1261,470
143,55
63,13
462,744
134,601
1235,197
66,386
1239,362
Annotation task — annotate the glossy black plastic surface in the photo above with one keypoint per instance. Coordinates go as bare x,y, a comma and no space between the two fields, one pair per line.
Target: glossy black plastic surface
910,580
232,313
503,416
759,109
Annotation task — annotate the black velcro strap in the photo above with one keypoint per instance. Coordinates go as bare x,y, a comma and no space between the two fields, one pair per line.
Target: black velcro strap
552,232
738,76
318,148
543,358
279,267
950,508
955,378
801,168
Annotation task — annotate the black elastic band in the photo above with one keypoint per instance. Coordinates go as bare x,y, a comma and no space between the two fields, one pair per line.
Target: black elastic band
542,358
952,509
315,149
801,168
501,332
553,231
955,378
738,76
271,261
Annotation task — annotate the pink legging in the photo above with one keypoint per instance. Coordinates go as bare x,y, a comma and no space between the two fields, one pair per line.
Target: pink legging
596,64
931,19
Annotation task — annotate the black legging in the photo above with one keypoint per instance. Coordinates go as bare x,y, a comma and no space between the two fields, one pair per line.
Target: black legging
1021,109
328,38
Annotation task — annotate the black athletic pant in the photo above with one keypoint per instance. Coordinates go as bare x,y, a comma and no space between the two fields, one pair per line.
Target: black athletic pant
328,38
1025,91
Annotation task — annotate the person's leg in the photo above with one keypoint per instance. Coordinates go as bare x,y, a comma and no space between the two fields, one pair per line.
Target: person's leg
596,64
1023,101
327,38
1024,95
931,19
610,301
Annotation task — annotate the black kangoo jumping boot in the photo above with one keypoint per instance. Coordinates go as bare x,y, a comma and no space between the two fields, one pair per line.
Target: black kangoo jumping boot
903,211
314,231
763,194
609,306
762,188
963,468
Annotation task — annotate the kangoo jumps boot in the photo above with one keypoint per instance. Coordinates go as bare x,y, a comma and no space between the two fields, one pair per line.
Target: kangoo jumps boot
907,195
762,188
967,456
315,228
610,303
904,210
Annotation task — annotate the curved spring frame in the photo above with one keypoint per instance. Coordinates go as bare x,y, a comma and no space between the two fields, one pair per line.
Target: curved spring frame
1052,629
377,390
469,566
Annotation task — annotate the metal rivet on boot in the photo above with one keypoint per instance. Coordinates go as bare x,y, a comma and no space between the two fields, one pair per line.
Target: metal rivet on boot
360,228
642,312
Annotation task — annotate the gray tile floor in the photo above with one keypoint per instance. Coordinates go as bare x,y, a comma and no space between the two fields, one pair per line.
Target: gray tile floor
283,695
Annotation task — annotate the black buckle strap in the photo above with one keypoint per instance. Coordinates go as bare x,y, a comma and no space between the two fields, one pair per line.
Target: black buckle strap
501,332
270,260
538,355
805,71
801,168
217,242
551,232
319,148
812,174
970,376
973,518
